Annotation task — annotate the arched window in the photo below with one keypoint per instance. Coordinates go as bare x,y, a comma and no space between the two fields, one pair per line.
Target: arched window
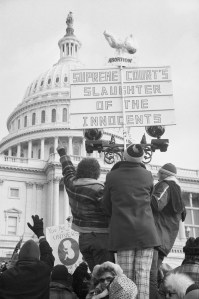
35,86
33,118
53,118
25,121
64,115
76,149
43,116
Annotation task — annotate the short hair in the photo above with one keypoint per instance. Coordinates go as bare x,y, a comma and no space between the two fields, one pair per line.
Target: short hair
88,168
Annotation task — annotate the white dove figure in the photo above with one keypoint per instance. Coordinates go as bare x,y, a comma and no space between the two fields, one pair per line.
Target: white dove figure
129,45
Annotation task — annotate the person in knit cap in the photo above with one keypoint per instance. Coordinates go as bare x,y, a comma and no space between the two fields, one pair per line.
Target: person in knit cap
30,276
168,210
61,284
133,234
190,264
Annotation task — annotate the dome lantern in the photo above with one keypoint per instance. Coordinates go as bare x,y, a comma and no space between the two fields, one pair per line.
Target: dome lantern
69,45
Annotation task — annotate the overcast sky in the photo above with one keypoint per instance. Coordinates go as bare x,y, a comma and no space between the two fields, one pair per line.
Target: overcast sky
167,32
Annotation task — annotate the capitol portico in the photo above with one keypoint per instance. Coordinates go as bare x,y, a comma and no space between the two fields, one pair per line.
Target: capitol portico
30,172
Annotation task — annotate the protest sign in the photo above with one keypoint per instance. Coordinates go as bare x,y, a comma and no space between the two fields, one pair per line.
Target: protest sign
64,242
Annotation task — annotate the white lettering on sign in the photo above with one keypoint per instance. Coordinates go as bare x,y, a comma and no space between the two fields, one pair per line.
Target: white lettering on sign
101,105
91,105
144,98
130,74
130,89
146,75
111,120
95,76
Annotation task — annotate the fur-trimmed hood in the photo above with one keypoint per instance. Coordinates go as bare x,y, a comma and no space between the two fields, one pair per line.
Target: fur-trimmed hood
178,283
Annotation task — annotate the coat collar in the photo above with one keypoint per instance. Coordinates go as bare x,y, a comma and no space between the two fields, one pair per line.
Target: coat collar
127,164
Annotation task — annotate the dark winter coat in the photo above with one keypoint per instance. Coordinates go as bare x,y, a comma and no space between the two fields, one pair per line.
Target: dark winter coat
60,291
85,195
168,209
127,200
29,279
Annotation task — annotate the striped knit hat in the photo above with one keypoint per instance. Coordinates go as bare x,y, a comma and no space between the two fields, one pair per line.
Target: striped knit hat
168,169
134,153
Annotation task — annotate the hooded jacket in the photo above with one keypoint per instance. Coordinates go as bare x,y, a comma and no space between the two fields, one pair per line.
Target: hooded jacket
178,283
168,208
30,277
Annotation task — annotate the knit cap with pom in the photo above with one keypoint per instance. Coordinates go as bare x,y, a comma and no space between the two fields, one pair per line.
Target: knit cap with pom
134,153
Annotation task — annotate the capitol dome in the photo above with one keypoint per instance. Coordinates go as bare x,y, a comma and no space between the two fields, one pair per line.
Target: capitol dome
41,120
45,106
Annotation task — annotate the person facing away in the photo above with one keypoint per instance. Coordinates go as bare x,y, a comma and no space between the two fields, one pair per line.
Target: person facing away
168,209
85,193
30,276
133,234
81,280
180,286
190,264
61,284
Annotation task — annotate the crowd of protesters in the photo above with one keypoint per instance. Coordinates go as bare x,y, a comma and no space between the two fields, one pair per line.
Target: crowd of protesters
126,228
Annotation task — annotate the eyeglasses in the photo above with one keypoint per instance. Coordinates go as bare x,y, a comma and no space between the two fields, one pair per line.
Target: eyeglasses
107,279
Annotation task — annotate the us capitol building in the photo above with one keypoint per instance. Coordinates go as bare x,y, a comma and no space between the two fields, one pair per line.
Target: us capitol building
30,172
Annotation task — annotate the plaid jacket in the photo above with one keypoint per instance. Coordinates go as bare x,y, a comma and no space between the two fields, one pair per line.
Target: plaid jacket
189,268
85,195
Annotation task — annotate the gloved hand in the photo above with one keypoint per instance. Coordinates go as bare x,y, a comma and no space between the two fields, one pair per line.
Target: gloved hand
61,150
37,227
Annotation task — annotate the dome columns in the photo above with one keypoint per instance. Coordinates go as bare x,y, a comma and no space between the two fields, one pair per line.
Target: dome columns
69,48
19,150
29,149
56,201
41,149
